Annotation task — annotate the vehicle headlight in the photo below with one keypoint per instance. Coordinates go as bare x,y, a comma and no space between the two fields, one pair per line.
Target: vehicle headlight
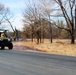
8,39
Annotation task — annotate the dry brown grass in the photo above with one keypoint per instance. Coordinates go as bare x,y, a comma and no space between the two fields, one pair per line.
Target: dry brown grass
59,46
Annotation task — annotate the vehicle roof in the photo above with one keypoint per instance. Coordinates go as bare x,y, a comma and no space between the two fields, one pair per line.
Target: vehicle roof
3,30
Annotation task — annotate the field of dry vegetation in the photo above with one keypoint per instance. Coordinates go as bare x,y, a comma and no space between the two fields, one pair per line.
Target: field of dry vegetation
59,46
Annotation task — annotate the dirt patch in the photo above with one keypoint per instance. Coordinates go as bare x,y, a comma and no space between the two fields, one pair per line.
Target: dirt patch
24,48
59,46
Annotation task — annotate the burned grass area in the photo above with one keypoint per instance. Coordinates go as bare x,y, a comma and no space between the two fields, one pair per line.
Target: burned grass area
59,46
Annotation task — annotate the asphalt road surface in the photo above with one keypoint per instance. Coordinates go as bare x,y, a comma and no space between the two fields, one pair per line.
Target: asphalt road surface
13,62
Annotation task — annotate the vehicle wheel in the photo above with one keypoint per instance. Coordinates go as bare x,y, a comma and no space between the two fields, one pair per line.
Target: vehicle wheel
10,46
2,47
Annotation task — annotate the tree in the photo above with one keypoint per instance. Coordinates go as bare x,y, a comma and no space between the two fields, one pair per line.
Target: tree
1,13
46,7
32,16
68,14
36,12
5,15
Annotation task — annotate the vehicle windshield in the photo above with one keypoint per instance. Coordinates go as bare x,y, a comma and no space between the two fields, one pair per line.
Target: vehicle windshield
3,33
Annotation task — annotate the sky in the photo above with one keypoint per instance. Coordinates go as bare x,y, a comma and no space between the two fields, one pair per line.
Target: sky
16,7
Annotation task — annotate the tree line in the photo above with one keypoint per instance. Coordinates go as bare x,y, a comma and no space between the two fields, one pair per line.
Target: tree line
50,19
45,19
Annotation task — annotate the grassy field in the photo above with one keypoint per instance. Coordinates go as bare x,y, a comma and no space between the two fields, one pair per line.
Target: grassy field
59,46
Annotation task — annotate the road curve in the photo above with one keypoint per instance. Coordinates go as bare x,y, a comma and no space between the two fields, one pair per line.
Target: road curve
14,62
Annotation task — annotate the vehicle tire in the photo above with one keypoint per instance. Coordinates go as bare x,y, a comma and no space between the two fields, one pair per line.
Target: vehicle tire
2,47
10,46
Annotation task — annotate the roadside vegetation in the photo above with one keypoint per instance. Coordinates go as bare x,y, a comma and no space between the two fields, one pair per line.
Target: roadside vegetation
47,23
53,20
50,19
59,46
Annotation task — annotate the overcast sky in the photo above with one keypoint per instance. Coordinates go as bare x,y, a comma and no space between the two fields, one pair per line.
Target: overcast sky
16,7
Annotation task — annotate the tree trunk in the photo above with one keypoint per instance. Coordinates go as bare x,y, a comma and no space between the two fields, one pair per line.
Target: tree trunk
72,35
50,30
32,36
38,37
72,39
51,34
75,20
32,33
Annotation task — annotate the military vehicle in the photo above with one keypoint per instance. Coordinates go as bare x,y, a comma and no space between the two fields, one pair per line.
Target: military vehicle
5,40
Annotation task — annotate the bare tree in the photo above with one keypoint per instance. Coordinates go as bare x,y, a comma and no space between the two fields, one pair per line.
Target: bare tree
68,14
46,6
2,14
5,15
34,14
32,17
5,18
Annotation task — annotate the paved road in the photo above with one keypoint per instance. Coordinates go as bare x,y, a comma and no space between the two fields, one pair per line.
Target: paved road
14,62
